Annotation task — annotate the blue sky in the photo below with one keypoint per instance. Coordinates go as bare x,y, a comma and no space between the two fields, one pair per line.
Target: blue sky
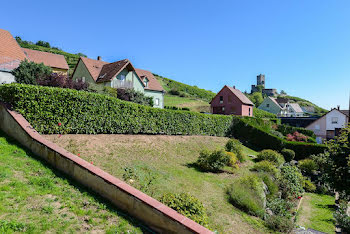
303,47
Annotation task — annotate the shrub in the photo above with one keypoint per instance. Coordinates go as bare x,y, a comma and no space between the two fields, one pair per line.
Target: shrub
213,161
233,160
271,156
271,185
280,223
186,205
288,154
174,91
28,72
233,145
280,207
247,194
286,129
81,112
132,95
341,217
276,133
291,182
258,113
266,166
62,81
112,92
307,166
296,136
309,186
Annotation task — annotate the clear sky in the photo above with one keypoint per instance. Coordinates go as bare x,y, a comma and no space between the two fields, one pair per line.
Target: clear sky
302,47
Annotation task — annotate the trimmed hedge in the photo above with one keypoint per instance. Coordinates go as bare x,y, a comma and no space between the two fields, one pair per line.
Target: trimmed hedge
55,110
286,129
258,138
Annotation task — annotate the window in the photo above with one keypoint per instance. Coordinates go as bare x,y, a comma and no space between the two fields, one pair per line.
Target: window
267,105
249,111
334,120
156,102
317,127
221,99
122,77
223,108
146,82
83,79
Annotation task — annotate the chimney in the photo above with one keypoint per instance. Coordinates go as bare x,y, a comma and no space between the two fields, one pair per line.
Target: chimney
234,87
99,58
338,107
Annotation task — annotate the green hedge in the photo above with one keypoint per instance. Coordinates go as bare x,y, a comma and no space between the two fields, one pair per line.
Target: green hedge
258,138
91,113
286,129
258,113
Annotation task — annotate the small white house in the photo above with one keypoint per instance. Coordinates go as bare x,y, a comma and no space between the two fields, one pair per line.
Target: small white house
281,107
329,125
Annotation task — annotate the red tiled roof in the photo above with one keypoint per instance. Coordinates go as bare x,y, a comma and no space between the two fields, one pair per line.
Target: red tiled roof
48,59
9,48
110,70
240,96
93,66
153,83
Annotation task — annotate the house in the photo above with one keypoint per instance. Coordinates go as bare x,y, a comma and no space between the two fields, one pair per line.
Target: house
281,107
231,101
260,82
11,55
56,61
329,125
119,74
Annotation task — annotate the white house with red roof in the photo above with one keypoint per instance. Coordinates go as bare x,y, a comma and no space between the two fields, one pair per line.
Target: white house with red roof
120,74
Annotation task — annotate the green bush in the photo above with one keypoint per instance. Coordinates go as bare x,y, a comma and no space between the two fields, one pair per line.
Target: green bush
81,112
280,207
186,205
286,129
266,166
256,135
341,217
28,72
307,166
233,160
213,161
271,184
258,113
280,223
309,186
291,182
247,194
271,156
288,154
235,146
110,91
276,133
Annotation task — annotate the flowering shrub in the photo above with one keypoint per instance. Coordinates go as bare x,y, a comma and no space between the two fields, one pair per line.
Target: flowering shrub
296,136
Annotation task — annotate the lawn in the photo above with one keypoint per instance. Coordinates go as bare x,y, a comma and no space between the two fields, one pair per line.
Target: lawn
192,103
37,199
167,162
316,212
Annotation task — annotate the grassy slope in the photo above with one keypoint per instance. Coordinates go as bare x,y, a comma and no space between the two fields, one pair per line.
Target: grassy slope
170,158
37,199
317,212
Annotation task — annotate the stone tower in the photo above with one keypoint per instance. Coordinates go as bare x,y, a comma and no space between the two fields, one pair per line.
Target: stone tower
260,80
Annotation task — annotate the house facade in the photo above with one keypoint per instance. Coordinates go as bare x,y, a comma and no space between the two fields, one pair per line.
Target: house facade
231,101
281,107
329,125
120,74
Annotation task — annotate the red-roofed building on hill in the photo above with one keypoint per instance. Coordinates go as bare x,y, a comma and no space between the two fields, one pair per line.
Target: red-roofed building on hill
121,75
231,101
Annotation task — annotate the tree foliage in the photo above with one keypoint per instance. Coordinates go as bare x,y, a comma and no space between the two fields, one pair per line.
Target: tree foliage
28,72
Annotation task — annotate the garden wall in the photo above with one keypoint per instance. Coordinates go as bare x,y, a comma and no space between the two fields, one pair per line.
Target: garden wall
153,213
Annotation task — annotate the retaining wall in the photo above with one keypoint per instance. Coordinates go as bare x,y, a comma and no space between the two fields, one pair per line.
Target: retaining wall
139,205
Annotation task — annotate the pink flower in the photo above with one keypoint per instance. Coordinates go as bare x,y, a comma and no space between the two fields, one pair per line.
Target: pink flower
91,163
299,197
59,124
59,135
78,154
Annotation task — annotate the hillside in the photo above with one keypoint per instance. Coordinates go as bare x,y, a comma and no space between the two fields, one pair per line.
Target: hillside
304,102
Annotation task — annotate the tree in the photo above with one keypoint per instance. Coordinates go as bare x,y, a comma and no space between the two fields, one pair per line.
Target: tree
28,72
256,98
283,92
81,54
43,43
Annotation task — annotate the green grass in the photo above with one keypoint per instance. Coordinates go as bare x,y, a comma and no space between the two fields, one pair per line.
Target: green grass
194,104
316,212
35,198
169,160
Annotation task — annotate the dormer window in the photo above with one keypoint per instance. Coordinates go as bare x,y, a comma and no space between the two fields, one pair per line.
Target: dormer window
221,99
146,82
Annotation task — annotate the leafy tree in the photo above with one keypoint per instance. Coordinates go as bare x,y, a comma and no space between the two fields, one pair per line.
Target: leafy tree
28,72
43,44
256,98
283,92
259,88
81,55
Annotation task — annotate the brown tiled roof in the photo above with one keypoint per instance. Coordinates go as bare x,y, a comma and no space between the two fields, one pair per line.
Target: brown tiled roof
153,83
275,101
110,70
9,48
93,66
48,59
240,96
345,112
